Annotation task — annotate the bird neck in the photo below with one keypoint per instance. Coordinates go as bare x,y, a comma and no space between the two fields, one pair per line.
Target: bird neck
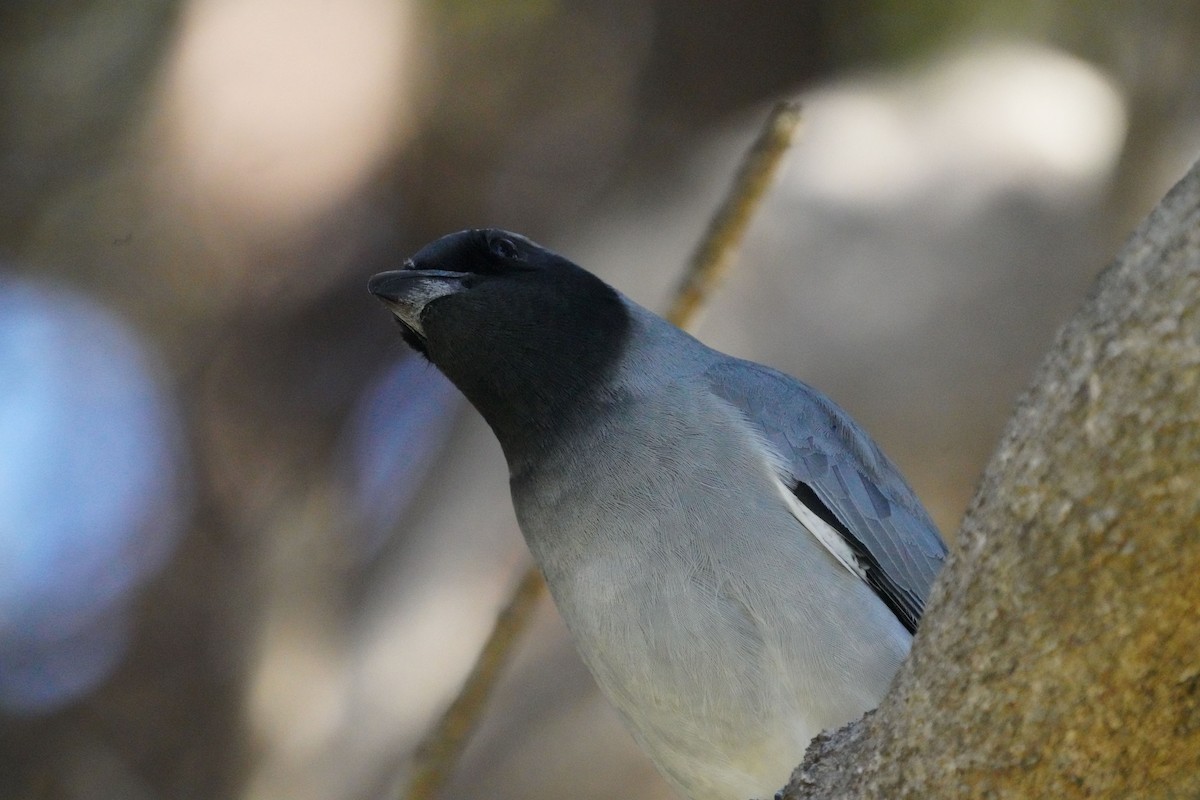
534,405
536,384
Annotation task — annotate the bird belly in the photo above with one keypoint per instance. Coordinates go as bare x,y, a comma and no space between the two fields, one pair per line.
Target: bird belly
691,594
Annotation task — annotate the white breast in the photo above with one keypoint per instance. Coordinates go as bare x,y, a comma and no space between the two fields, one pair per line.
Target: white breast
722,629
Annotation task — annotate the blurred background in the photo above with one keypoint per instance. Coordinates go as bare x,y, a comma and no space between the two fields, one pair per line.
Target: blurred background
249,546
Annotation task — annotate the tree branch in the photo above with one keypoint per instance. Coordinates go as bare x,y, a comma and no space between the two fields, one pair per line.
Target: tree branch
1060,654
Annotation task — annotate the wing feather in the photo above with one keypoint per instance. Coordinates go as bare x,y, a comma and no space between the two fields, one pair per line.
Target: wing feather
842,478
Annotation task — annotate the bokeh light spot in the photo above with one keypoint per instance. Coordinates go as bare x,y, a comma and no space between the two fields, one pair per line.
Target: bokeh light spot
278,108
401,422
90,501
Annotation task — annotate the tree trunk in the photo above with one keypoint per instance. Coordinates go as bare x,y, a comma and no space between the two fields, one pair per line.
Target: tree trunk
1060,653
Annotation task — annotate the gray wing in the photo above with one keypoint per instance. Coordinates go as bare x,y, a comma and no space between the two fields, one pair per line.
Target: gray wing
842,476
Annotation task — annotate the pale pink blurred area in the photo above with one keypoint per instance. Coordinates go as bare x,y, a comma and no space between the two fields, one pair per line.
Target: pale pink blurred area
219,178
275,112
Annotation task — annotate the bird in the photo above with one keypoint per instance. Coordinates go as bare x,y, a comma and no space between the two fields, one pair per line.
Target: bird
738,563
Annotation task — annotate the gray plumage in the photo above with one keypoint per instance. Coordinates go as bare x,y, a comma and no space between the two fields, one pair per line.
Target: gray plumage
738,563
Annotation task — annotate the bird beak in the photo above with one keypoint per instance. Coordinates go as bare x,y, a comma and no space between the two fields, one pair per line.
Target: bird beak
406,292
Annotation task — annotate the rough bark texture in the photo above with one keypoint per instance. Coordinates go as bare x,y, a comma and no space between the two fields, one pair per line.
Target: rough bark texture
1060,654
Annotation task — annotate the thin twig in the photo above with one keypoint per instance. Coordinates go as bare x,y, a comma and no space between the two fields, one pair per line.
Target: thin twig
714,253
439,750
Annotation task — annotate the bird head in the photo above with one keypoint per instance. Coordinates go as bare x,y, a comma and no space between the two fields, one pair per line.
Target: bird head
524,333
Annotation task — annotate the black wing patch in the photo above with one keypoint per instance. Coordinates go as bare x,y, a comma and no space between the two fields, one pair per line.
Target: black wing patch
906,605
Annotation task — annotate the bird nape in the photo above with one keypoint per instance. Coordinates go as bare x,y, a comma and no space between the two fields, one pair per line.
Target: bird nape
739,564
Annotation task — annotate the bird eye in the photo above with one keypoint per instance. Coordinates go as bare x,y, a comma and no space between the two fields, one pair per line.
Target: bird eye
503,247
